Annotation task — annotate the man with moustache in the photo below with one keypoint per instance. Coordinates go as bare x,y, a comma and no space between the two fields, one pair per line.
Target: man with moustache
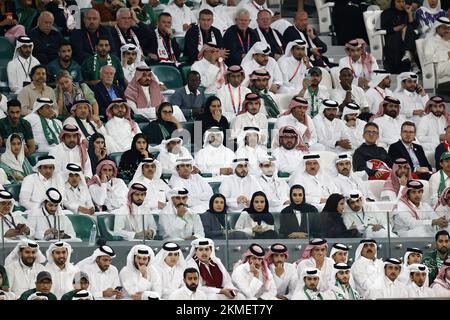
42,289
388,285
189,291
433,124
288,151
239,187
215,281
379,88
438,255
389,120
284,273
412,96
23,264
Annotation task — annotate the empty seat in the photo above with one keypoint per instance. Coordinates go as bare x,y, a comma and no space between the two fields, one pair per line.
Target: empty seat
376,37
82,225
33,158
375,186
6,51
428,70
115,156
169,75
324,12
105,224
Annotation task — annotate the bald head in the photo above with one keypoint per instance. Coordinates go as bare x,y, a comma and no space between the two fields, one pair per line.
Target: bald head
91,20
301,20
45,22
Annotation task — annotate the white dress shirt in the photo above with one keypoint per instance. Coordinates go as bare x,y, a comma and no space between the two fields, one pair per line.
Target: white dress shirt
113,194
233,187
252,287
21,277
34,187
100,280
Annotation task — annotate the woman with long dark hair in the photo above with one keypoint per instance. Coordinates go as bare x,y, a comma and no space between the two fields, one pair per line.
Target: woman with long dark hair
256,220
97,149
331,221
295,218
162,128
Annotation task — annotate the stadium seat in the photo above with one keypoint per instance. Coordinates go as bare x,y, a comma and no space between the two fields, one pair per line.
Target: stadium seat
142,125
375,186
184,72
326,79
14,189
115,156
169,75
35,156
324,12
215,186
82,225
4,87
180,42
6,51
105,224
428,70
334,76
327,160
232,218
376,37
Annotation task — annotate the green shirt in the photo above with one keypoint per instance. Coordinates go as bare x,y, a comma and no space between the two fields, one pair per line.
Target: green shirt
28,293
54,67
90,73
69,295
24,127
147,16
433,262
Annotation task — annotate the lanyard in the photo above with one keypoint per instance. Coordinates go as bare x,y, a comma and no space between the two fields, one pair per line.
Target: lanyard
232,99
379,92
11,224
27,73
90,41
296,70
48,220
245,49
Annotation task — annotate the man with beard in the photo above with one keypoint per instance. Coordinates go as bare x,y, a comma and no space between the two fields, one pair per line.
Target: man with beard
135,220
139,277
71,150
148,173
369,152
204,32
259,58
331,131
60,267
398,177
342,286
23,265
379,88
413,152
170,151
388,285
188,178
308,286
104,279
120,126
353,125
440,180
232,93
417,288
91,67
259,84
347,180
44,284
288,149
215,281
19,67
366,267
294,65
313,91
86,38
239,187
432,126
239,38
177,221
412,96
49,221
413,217
35,90
284,273
185,17
302,30
252,276
189,291
214,157
438,255
347,92
276,189
367,218
64,62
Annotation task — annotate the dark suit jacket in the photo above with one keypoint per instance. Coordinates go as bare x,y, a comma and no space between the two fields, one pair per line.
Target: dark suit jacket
84,46
291,34
187,101
232,43
143,34
440,149
45,45
289,222
103,98
191,41
398,150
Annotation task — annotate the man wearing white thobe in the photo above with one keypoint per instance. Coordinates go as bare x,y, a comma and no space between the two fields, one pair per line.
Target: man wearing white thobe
294,66
388,286
433,124
412,96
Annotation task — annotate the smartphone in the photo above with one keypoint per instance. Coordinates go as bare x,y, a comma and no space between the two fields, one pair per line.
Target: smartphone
118,288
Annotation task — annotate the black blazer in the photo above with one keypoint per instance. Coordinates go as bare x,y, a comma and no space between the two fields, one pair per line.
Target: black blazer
398,150
84,45
191,42
289,222
102,96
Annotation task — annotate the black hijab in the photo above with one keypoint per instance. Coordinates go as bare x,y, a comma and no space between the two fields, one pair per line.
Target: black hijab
265,215
91,150
207,119
133,148
302,207
219,214
332,202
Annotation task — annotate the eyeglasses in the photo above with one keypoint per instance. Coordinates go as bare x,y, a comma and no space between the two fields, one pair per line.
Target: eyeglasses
371,133
167,111
267,165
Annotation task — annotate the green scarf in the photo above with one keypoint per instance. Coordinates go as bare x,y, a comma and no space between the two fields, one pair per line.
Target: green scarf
270,104
314,108
50,135
164,131
441,182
